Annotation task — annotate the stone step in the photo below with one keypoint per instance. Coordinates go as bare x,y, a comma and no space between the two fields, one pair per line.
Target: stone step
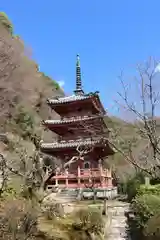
118,227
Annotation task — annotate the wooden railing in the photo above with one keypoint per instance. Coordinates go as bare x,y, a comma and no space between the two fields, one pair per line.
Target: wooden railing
94,172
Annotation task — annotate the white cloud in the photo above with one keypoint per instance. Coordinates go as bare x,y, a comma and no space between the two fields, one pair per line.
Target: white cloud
61,83
157,69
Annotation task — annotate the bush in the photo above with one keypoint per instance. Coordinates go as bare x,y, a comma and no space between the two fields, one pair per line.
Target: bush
24,122
133,185
53,210
80,225
144,207
152,227
89,219
151,189
87,222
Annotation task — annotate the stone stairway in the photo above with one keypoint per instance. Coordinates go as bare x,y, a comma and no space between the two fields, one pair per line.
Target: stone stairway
118,225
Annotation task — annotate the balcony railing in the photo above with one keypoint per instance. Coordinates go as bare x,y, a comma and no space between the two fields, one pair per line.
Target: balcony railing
84,173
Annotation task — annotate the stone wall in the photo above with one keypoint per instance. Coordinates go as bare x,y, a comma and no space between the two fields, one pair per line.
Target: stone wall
108,193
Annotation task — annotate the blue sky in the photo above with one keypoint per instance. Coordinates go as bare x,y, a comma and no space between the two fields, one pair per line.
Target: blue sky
110,36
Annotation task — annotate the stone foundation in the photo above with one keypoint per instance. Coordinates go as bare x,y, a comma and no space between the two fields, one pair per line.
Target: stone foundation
101,193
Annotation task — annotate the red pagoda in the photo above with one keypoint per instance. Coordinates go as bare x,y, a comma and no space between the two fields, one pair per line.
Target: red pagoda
81,125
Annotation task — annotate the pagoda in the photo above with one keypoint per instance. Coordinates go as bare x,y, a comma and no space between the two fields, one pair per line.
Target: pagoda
81,132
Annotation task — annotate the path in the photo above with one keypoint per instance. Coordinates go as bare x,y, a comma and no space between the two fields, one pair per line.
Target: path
116,211
118,223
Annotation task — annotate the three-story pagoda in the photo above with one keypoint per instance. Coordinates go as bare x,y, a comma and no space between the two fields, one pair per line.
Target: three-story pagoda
81,126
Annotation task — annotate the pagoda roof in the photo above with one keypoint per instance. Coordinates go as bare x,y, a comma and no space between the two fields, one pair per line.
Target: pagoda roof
67,99
75,143
71,119
70,143
93,98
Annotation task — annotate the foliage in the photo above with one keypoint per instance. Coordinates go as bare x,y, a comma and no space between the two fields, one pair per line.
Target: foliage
25,122
151,189
89,219
6,23
131,185
152,227
144,207
10,192
80,225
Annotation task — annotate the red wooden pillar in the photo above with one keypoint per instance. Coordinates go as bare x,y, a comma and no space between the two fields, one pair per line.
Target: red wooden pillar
56,180
79,175
100,168
66,175
109,178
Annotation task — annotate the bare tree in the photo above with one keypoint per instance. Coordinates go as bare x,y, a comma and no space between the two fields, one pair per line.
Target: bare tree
31,170
81,152
10,60
144,109
18,219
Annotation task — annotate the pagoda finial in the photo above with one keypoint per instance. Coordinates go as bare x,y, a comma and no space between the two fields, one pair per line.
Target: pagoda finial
78,90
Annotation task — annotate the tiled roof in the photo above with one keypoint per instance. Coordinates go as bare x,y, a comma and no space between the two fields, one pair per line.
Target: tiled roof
68,99
69,144
69,120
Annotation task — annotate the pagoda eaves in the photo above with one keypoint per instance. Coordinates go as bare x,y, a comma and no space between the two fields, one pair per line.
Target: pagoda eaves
64,103
95,124
73,144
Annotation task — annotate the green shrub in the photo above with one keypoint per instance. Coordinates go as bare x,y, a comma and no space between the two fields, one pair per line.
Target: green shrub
155,181
152,227
87,222
9,192
151,189
144,207
24,121
132,185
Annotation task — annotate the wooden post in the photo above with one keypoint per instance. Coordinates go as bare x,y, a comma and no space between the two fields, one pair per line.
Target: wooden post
79,175
109,182
101,172
100,167
104,212
109,178
56,180
66,173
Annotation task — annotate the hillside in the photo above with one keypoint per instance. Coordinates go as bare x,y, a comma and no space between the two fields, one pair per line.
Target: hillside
23,93
122,134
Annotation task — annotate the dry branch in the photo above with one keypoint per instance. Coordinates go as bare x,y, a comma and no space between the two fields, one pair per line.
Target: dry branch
144,109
